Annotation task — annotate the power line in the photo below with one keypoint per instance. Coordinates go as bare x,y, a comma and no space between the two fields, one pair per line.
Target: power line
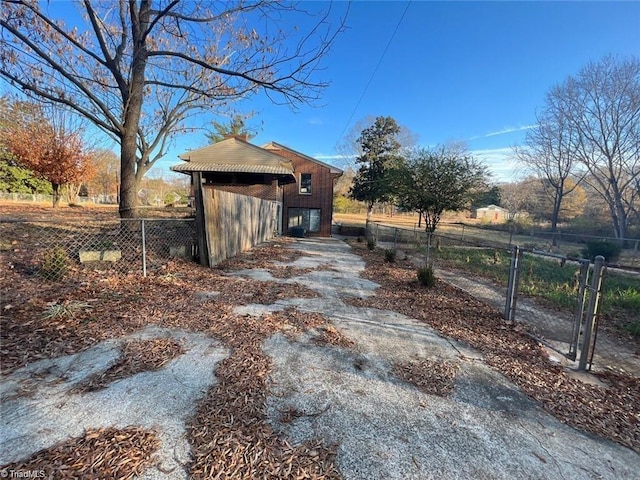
375,70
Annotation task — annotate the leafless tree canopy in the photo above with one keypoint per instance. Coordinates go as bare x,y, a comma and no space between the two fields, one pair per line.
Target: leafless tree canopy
549,153
138,68
600,113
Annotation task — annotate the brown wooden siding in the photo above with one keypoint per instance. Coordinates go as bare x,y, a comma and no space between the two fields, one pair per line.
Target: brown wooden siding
321,191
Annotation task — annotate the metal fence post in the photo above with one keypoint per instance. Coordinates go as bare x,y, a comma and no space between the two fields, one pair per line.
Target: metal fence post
592,312
512,289
144,252
395,239
579,312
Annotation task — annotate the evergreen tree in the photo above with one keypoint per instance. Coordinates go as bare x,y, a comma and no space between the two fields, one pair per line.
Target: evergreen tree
379,160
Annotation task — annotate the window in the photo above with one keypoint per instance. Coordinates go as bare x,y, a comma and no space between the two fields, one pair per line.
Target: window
309,218
305,183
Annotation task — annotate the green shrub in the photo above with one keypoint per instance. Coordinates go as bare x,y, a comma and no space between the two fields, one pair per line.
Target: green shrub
55,263
390,255
633,328
426,276
609,250
371,243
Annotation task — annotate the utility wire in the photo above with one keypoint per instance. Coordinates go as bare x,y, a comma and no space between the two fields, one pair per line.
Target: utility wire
375,70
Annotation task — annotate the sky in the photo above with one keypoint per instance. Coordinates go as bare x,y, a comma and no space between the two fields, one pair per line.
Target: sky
474,72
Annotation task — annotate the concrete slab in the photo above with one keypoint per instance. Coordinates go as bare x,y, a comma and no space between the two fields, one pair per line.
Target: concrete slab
387,429
38,409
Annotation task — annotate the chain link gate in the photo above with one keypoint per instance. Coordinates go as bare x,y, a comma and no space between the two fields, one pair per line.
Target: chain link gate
589,290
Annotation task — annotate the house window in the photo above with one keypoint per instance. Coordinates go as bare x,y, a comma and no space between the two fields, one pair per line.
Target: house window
309,218
305,183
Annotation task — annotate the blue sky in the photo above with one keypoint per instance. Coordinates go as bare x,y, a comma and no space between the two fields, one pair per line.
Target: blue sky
454,71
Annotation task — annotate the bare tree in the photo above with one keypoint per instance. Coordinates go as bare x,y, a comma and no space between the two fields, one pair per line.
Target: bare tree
550,154
601,105
139,68
519,197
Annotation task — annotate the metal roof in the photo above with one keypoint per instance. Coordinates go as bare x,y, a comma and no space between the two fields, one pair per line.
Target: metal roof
203,166
234,155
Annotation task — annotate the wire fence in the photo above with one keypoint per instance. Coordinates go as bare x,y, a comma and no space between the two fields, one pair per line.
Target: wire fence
52,249
552,289
560,242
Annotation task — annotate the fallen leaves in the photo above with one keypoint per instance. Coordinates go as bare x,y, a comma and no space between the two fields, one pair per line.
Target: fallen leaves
612,411
229,434
430,376
103,453
136,357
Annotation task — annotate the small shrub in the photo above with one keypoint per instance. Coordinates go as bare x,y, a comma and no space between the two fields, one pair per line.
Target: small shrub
426,276
609,250
55,263
633,328
371,243
390,255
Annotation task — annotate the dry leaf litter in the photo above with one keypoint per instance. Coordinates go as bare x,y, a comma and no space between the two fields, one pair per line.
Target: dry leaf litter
135,357
611,411
99,454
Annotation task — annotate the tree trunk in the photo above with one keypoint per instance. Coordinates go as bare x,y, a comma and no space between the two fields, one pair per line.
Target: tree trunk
56,194
128,184
557,202
622,222
133,99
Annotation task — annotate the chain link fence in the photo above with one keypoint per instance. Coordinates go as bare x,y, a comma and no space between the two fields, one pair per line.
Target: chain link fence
560,243
52,249
552,291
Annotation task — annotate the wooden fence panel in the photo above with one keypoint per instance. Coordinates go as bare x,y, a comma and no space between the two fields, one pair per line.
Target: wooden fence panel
234,223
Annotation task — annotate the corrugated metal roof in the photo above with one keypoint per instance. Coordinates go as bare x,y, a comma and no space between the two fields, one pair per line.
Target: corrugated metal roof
205,166
233,155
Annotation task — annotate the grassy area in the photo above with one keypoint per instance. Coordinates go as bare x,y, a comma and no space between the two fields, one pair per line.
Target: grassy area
473,231
547,279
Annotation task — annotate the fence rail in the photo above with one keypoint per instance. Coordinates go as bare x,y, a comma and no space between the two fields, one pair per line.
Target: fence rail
52,248
561,243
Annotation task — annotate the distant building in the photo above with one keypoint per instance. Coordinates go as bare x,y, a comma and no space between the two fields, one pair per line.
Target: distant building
491,213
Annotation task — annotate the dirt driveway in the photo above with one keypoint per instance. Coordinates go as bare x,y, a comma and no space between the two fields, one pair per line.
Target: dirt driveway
475,425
